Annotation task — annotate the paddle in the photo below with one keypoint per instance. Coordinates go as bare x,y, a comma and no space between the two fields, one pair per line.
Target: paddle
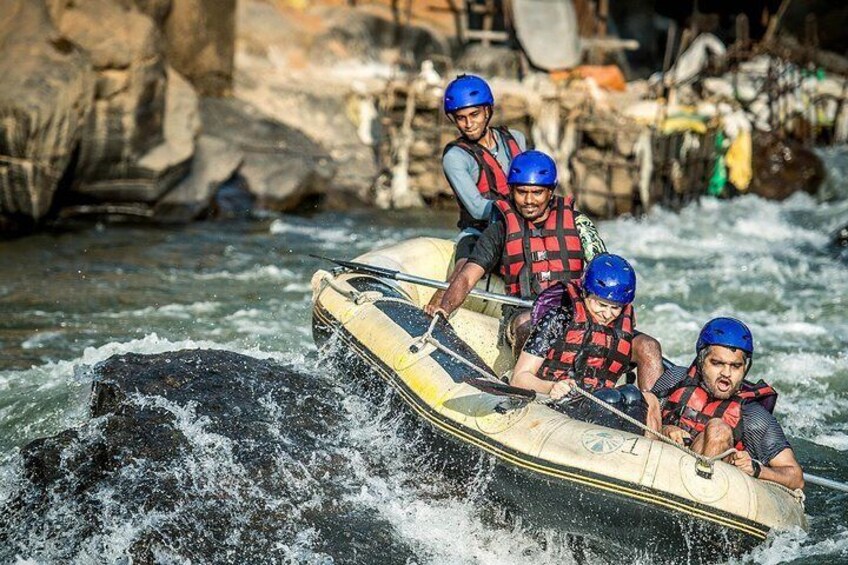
433,283
827,483
502,389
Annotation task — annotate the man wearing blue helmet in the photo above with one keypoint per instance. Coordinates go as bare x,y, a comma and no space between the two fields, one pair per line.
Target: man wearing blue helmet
712,408
476,162
537,239
585,337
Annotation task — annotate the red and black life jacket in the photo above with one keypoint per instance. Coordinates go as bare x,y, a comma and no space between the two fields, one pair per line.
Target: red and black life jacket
534,257
491,182
690,406
592,354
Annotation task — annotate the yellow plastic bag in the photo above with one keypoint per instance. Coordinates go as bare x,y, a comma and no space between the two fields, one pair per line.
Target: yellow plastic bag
738,160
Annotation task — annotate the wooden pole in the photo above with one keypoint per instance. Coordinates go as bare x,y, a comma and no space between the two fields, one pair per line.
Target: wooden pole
458,15
488,21
774,22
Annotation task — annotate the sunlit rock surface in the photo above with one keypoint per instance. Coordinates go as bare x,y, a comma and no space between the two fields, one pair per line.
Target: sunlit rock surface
47,86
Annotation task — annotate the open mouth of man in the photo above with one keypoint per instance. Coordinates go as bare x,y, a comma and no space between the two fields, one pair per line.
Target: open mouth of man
724,385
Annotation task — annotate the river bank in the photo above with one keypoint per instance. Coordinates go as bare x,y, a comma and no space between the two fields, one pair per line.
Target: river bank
321,105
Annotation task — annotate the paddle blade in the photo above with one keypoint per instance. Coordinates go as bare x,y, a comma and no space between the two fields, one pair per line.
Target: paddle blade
501,389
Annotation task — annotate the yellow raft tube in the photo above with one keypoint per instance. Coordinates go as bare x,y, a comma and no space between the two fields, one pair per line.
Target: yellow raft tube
641,494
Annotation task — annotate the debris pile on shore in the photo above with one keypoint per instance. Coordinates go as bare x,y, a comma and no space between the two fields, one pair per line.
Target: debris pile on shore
720,121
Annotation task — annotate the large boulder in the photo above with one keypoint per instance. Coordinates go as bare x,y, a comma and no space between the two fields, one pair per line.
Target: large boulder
318,70
198,456
147,177
200,39
782,167
214,162
282,166
48,85
201,43
127,119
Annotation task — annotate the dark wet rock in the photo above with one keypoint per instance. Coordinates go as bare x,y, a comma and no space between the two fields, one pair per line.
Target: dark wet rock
48,84
282,166
783,167
194,455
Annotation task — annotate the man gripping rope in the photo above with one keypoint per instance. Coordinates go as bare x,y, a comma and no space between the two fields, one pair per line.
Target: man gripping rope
586,337
711,407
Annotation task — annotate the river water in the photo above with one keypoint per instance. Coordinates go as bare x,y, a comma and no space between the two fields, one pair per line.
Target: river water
70,299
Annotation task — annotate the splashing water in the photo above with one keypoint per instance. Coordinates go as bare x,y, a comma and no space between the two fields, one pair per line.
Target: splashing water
71,300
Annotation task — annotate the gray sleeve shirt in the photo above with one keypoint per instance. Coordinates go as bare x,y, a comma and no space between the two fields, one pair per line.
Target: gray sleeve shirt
462,171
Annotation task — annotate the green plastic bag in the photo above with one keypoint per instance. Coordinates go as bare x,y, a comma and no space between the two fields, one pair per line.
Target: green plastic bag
719,178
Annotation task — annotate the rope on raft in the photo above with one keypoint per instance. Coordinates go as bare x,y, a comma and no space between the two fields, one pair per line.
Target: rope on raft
704,465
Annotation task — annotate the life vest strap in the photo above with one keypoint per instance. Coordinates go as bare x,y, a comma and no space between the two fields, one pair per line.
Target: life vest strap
539,255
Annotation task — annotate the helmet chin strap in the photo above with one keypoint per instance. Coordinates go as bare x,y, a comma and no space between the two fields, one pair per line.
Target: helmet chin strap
486,129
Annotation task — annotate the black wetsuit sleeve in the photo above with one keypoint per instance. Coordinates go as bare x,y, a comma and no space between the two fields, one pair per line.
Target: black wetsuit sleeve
761,433
547,332
489,248
672,376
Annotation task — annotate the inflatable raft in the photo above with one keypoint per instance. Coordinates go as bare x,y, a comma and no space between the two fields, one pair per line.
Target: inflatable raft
642,494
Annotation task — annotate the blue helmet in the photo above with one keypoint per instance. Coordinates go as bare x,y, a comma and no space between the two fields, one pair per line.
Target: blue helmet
465,91
610,277
533,168
728,332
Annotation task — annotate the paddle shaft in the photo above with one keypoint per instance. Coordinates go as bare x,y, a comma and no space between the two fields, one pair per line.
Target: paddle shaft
511,300
823,482
433,283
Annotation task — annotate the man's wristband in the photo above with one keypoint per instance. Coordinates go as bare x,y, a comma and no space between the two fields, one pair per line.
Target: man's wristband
757,468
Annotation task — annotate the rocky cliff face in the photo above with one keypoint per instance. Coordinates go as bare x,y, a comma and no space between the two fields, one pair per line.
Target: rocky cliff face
45,102
201,42
91,111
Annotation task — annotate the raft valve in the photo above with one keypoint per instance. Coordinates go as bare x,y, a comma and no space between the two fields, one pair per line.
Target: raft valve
704,469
